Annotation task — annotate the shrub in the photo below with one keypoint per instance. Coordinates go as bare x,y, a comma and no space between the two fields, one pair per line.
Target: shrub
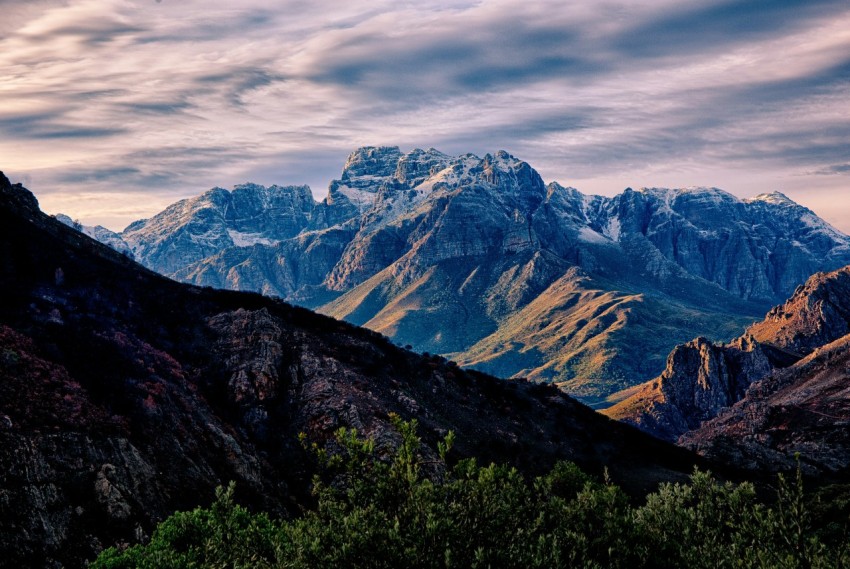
376,508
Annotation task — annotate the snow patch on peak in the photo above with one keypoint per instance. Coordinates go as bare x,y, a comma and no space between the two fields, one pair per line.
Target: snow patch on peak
588,235
211,194
371,152
804,216
612,229
248,239
358,197
816,224
502,160
775,198
417,154
249,186
377,161
702,192
705,190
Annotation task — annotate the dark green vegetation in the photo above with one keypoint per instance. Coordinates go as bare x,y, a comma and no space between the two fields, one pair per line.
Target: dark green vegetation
395,509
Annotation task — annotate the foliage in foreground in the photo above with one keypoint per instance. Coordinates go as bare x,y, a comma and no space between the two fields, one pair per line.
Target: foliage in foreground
383,512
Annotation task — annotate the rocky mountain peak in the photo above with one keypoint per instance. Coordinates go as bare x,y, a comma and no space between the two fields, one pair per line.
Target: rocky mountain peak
418,165
216,196
816,314
98,233
689,201
794,414
702,192
703,378
795,417
700,379
515,178
370,162
775,198
801,222
193,229
366,172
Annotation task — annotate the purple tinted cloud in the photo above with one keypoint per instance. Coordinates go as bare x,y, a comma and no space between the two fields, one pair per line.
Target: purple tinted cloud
130,98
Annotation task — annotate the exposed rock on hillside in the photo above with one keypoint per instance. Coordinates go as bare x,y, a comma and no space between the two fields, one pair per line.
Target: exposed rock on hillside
702,379
816,314
800,411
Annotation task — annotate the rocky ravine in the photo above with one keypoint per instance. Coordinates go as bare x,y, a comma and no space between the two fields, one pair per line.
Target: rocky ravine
780,389
125,396
535,280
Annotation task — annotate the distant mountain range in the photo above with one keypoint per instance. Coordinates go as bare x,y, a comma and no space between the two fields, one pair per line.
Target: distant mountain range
125,396
479,260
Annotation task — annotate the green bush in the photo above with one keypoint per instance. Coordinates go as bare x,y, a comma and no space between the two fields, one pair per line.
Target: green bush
376,508
223,535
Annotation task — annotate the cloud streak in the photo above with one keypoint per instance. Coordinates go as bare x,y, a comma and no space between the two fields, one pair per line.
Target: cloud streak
165,99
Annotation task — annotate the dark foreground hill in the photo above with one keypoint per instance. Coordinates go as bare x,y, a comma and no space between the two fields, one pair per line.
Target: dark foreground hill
125,396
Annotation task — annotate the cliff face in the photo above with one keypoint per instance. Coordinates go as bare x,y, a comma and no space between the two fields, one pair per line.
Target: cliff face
700,379
816,314
125,396
703,379
800,411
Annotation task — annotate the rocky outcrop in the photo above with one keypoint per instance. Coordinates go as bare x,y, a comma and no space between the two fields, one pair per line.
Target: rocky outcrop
702,379
800,413
802,410
125,396
816,314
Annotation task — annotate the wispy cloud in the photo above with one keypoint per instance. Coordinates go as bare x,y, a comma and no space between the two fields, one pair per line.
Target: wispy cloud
164,99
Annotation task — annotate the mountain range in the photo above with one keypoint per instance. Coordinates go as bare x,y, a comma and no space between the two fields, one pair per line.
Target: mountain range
125,396
479,260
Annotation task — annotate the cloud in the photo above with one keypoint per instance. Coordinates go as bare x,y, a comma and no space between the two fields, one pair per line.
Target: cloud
50,125
834,169
700,27
136,97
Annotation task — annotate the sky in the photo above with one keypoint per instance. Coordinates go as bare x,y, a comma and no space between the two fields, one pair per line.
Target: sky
112,109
